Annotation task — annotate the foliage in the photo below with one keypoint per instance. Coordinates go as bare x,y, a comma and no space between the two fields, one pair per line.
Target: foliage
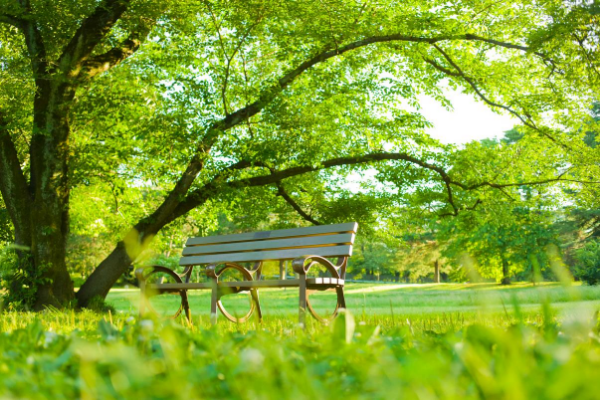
588,262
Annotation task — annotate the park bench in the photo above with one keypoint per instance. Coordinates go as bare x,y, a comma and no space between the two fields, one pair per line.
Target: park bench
245,254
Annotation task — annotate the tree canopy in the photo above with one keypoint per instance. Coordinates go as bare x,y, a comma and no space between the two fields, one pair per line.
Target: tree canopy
176,107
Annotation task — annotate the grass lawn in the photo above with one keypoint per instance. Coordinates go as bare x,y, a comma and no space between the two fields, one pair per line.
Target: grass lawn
400,341
384,300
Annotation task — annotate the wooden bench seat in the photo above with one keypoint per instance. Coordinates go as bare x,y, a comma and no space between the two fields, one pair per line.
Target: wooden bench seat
170,287
307,247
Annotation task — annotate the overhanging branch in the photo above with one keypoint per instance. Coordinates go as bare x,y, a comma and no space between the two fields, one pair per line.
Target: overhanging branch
457,210
282,192
103,62
219,183
199,196
512,46
268,94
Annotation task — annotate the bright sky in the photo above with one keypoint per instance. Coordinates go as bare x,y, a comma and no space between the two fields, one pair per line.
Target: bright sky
470,119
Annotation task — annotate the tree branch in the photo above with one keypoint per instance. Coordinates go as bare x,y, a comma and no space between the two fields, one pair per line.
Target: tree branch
199,196
509,46
91,31
581,43
12,20
33,40
268,94
456,211
103,62
451,197
530,183
281,192
229,59
276,176
173,206
13,185
471,82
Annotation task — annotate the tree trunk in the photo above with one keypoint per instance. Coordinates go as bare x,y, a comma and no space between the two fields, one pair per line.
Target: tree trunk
282,269
16,196
137,240
105,275
40,211
49,181
505,272
436,266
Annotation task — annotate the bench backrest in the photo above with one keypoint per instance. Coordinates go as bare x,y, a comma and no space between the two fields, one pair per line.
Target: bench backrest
285,244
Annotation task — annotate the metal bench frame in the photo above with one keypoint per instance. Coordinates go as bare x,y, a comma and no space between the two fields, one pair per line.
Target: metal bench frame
307,247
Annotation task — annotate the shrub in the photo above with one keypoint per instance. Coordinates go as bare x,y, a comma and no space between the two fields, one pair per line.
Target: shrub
19,279
588,263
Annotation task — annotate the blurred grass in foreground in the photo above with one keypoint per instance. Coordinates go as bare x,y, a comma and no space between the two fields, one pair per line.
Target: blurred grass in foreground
534,343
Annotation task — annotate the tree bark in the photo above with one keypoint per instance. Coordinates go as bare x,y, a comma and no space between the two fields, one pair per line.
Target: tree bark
436,266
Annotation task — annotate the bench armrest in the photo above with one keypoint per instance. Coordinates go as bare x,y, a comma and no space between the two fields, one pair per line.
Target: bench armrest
301,266
210,271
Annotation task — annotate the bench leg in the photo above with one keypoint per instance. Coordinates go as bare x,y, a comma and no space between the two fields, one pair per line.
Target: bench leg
213,302
254,293
302,295
340,296
139,273
186,307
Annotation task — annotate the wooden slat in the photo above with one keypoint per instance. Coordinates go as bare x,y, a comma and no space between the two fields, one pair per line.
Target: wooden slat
197,285
262,284
282,283
247,284
277,234
324,281
297,242
332,251
242,284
